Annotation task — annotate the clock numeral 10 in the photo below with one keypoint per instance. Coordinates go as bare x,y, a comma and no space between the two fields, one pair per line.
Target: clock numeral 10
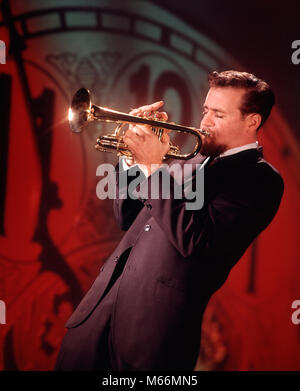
139,85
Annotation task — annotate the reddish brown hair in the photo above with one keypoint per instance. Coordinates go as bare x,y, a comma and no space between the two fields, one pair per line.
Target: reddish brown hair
258,98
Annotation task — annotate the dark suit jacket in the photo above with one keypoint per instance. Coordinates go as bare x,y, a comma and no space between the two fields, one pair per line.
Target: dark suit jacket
179,258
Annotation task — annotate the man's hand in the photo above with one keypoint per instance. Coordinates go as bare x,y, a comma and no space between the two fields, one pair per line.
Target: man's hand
143,143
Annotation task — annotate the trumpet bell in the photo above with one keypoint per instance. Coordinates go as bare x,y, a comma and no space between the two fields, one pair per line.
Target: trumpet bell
80,110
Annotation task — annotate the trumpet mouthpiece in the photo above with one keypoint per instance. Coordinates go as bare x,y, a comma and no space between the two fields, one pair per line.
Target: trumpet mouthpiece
204,132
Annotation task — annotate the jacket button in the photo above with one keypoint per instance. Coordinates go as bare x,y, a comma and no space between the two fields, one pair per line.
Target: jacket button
149,206
147,227
116,259
101,269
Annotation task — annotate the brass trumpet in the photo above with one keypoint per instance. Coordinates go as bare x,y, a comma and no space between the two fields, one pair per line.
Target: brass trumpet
83,111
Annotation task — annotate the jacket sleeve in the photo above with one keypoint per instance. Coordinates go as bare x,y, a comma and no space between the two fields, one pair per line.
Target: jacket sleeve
126,208
238,213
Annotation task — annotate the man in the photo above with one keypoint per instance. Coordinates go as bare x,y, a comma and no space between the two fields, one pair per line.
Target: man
144,311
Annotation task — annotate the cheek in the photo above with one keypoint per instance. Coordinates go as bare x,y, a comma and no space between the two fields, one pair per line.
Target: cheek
221,129
225,128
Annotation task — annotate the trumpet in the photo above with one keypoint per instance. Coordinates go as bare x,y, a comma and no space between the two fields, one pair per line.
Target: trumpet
82,111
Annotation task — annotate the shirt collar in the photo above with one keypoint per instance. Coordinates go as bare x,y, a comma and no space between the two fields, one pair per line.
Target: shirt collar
232,151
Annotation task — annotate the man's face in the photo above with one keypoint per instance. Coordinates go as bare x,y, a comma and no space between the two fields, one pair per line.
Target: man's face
223,120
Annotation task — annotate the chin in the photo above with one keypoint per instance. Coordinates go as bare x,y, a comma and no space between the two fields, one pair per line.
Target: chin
212,148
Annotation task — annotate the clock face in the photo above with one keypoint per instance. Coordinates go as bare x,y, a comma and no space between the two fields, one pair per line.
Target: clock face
55,232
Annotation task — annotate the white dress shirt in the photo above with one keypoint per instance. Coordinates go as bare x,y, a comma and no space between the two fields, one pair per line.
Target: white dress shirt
231,151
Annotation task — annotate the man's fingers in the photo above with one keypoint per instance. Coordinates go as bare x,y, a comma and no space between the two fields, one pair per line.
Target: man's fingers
165,139
134,131
153,107
134,137
129,141
143,131
138,133
138,130
135,112
163,115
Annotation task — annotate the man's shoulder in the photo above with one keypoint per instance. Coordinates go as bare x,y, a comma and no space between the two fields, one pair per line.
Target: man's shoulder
253,163
267,170
266,179
250,172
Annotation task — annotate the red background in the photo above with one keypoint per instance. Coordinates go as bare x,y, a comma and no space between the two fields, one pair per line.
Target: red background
51,249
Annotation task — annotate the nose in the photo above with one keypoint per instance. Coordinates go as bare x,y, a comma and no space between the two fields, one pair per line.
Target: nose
207,121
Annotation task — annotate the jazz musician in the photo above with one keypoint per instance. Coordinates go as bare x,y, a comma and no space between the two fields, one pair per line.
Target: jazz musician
145,308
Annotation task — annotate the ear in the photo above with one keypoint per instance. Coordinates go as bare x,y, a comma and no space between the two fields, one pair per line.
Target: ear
253,121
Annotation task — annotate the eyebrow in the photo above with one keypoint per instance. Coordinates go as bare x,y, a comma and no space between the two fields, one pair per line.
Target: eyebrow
215,110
